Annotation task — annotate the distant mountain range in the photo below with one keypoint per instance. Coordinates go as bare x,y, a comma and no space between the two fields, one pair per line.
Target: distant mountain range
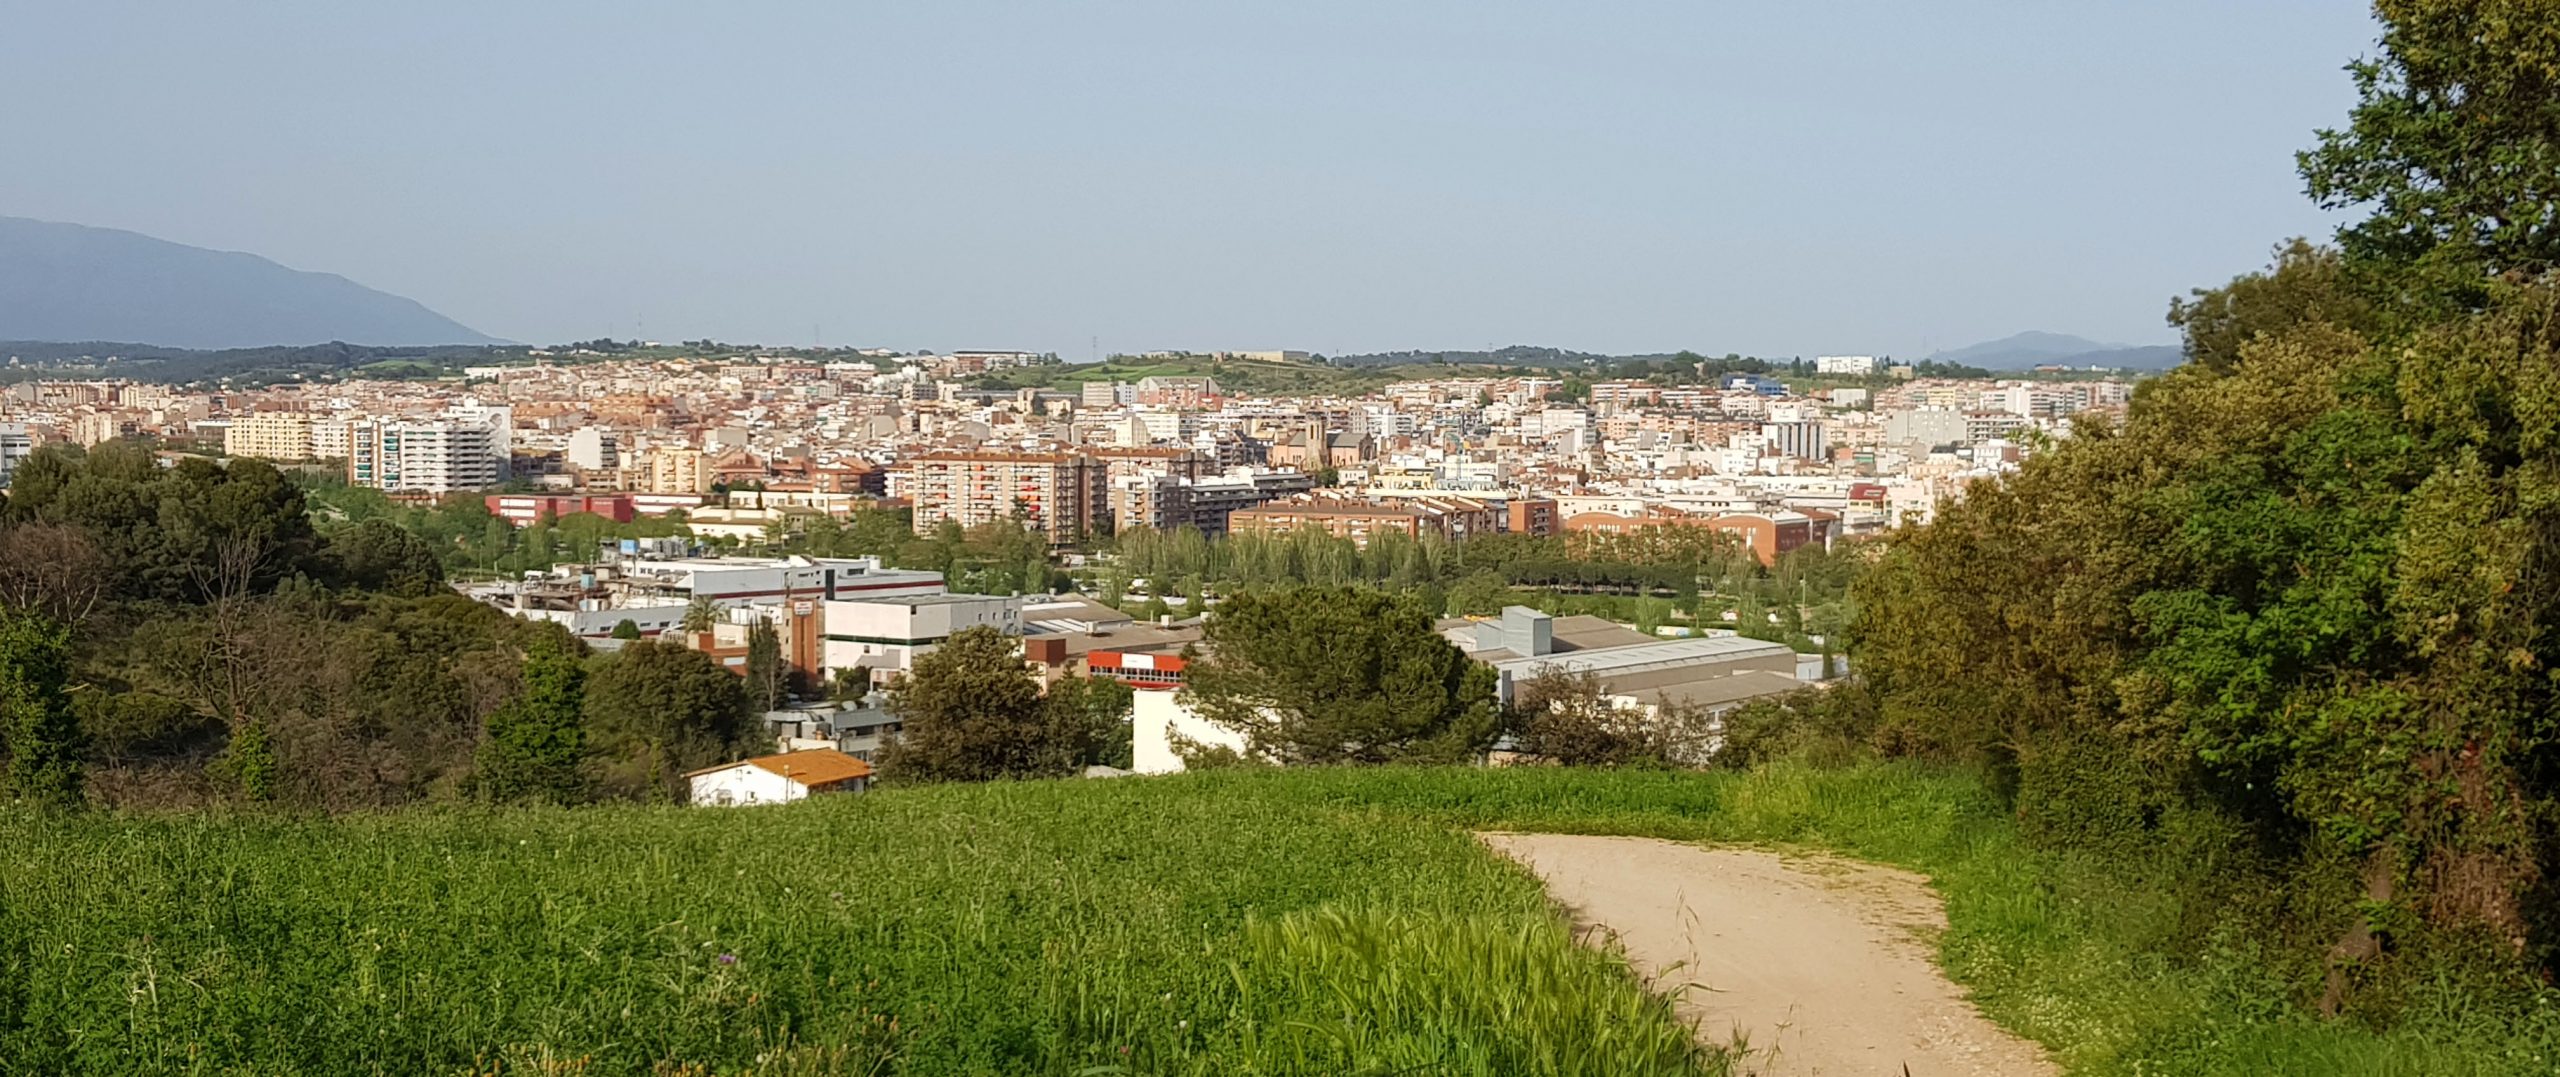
2032,349
69,282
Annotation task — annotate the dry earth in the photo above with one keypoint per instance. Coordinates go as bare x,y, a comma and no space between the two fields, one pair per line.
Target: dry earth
1822,965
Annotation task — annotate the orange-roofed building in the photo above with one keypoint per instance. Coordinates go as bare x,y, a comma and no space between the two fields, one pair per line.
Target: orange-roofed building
778,779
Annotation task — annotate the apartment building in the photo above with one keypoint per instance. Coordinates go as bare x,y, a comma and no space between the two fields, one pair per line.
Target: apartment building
426,455
1172,392
17,442
1124,461
1157,502
1801,440
270,435
330,439
1769,534
1531,515
1064,495
1624,394
676,470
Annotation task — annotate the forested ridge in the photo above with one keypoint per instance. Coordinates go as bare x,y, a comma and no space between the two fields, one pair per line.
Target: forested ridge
2294,621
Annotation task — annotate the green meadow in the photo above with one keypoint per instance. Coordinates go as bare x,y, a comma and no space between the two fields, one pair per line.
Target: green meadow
1266,922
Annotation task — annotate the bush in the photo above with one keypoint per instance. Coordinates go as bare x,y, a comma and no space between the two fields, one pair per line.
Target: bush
1566,718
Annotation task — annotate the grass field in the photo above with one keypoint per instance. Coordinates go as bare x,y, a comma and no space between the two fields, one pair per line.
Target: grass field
1334,922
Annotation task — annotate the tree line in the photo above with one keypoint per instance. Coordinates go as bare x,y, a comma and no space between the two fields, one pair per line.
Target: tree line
1653,576
2296,617
185,635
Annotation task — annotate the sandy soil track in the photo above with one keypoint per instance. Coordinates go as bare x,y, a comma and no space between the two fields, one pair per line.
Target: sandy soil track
1823,964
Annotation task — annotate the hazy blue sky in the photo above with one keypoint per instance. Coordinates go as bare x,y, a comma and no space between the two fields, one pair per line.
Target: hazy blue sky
1338,176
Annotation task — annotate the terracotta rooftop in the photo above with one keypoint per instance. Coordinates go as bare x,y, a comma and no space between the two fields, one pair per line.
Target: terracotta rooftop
814,767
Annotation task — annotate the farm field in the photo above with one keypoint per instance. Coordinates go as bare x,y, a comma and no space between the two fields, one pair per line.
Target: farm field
1298,922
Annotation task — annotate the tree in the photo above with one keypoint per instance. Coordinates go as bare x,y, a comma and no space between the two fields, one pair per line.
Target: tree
2453,144
656,710
626,629
1480,594
1092,715
2306,285
1567,718
54,569
1347,675
535,746
971,710
700,614
42,736
768,676
378,555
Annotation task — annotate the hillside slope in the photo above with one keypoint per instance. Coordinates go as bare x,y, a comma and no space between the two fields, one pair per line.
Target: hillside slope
69,282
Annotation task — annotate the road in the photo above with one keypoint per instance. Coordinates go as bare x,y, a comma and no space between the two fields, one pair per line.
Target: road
1822,966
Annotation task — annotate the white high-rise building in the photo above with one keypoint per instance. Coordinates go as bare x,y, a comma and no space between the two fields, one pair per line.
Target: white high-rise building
427,455
1852,365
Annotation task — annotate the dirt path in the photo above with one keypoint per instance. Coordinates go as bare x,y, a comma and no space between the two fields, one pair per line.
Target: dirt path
1823,964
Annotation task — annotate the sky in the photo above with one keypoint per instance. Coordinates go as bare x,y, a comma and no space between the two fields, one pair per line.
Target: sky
1772,179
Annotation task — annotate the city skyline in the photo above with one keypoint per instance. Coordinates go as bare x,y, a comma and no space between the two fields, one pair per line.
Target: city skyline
1131,178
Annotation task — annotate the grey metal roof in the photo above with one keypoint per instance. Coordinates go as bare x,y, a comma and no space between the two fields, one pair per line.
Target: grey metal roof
1667,654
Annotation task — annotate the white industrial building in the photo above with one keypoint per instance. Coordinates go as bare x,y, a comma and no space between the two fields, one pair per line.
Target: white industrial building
884,636
652,593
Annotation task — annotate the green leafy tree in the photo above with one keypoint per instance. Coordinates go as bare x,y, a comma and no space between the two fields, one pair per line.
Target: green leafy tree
535,746
1347,675
2300,597
1091,714
971,710
626,629
43,737
2453,146
655,710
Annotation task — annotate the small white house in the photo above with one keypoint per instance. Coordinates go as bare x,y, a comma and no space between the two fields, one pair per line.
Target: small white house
778,779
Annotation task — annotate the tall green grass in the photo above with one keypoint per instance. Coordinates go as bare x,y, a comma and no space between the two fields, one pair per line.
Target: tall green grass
1265,922
1171,927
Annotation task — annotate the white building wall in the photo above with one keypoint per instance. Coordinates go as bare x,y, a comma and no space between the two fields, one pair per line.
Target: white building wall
1156,717
742,784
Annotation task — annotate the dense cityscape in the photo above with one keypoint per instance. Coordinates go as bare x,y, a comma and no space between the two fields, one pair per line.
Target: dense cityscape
743,455
381,693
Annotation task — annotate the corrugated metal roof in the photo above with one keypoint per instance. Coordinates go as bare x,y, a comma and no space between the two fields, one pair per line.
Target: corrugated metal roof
1663,655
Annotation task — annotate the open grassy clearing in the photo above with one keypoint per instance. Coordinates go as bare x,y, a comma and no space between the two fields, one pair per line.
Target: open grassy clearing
1335,921
1071,928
